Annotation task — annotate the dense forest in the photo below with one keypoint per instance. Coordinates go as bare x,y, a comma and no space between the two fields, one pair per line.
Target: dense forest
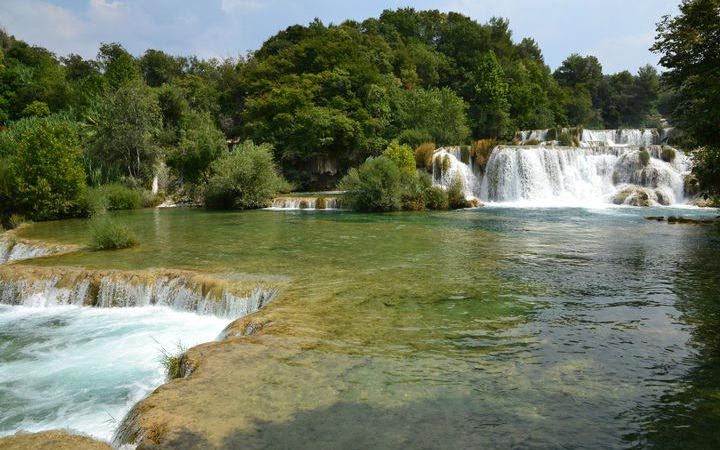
320,98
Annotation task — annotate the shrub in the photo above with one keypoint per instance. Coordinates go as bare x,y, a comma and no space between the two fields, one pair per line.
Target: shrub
436,198
200,144
109,234
374,186
402,155
414,137
481,151
424,156
150,200
644,157
465,154
37,109
118,196
565,140
445,164
668,154
245,178
45,173
456,194
532,142
413,189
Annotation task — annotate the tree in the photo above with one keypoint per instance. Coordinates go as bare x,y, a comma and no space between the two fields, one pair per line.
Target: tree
402,156
489,110
45,175
200,144
119,65
689,45
374,186
245,178
127,122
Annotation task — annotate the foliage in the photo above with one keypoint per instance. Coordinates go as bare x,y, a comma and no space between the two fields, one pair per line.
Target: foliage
200,144
644,157
402,156
44,177
436,198
424,156
172,361
118,196
668,154
456,194
37,109
128,119
689,45
245,178
374,186
481,150
109,234
565,139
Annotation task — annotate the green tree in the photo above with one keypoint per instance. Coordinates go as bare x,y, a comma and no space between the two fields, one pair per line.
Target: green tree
47,178
689,45
489,109
200,144
128,120
402,156
119,65
245,178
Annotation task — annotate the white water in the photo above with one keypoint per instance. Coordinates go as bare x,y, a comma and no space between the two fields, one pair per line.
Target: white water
441,177
579,176
83,368
303,203
614,138
12,250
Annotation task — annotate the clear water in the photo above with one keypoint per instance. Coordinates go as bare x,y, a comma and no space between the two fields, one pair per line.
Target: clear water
84,368
497,327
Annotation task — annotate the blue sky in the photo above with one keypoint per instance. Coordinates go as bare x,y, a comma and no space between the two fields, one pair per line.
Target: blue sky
618,32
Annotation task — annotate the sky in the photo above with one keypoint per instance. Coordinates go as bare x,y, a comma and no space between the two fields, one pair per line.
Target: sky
617,32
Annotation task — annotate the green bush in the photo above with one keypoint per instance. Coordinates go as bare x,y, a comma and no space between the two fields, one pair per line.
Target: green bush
200,144
374,186
43,171
402,155
424,156
109,234
565,140
245,178
644,156
118,197
456,194
436,198
668,154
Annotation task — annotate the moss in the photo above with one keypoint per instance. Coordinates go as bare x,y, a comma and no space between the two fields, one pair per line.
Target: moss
532,142
644,156
616,177
321,202
691,186
445,164
304,204
465,154
668,154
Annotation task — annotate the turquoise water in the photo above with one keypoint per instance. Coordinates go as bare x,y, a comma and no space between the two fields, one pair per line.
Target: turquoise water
502,327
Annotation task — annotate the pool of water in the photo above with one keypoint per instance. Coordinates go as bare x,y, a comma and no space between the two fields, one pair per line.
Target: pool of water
505,327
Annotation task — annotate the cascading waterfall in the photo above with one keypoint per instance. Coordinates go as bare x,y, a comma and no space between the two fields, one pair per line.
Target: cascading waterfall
12,249
180,291
610,166
78,348
448,165
309,203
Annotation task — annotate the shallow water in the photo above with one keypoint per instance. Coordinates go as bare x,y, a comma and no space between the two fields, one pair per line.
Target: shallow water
505,327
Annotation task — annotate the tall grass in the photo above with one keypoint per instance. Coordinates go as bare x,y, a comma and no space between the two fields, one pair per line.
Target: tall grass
109,234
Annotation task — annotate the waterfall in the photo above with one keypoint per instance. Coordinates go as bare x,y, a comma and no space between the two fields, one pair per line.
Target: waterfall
12,249
614,138
181,291
448,164
155,182
609,167
583,176
306,203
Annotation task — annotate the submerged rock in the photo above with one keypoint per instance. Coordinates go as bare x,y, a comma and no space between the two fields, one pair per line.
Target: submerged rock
51,440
